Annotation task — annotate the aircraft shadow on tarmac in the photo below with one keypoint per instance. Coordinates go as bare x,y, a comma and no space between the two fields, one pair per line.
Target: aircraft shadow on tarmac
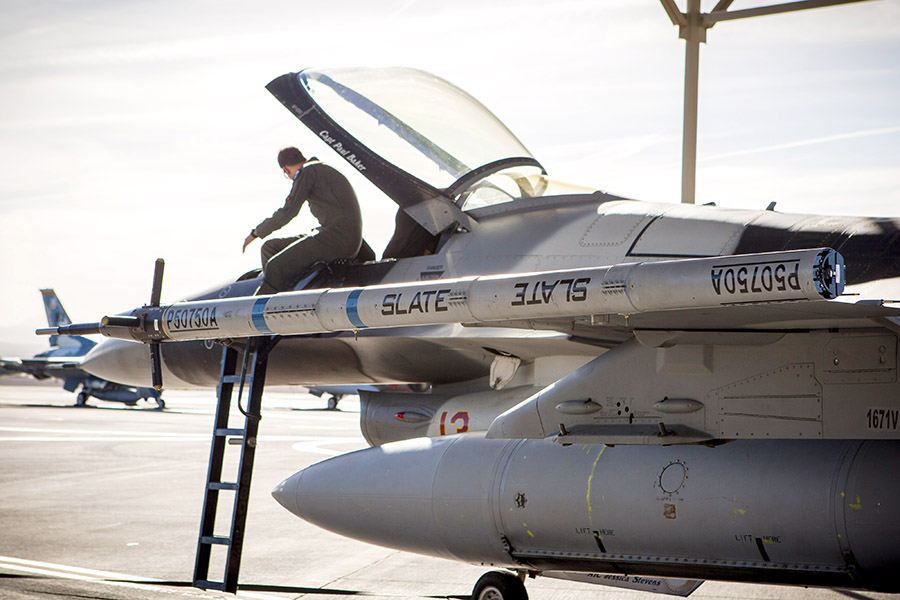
243,587
91,407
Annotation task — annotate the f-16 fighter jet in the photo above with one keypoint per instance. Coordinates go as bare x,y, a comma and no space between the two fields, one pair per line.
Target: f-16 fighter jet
621,391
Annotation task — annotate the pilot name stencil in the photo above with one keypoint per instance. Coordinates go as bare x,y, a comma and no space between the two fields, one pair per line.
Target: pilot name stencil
756,278
541,292
393,304
338,147
194,319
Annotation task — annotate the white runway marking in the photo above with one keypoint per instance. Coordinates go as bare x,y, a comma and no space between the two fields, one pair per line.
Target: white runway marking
103,577
316,446
302,443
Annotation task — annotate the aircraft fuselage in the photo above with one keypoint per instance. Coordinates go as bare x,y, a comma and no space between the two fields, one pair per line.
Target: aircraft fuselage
530,235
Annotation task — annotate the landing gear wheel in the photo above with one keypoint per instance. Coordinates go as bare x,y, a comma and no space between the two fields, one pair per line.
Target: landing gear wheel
333,402
82,399
160,404
497,585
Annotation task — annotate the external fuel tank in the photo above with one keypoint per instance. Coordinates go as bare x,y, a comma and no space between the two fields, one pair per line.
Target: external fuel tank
820,513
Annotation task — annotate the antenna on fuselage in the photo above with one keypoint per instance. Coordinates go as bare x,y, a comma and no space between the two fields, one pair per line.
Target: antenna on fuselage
155,351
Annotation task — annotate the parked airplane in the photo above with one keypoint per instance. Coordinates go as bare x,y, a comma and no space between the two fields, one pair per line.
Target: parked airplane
616,388
63,362
335,394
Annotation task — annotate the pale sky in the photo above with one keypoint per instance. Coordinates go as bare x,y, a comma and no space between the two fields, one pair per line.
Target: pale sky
142,129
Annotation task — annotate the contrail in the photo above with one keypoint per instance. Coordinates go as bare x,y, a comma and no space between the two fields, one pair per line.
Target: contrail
810,142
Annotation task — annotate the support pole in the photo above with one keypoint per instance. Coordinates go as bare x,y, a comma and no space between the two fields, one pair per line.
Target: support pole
693,33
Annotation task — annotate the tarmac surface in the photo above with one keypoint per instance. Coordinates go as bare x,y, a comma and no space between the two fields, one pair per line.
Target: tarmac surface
104,502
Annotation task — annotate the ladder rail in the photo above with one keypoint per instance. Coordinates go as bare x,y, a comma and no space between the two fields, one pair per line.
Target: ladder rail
253,415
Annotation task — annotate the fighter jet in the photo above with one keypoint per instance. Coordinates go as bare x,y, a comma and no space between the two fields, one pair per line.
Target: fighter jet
625,392
63,361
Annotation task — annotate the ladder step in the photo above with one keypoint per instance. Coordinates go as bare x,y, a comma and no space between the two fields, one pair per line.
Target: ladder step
215,539
203,584
228,432
221,485
237,379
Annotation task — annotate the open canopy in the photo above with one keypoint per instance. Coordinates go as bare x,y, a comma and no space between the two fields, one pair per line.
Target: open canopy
427,144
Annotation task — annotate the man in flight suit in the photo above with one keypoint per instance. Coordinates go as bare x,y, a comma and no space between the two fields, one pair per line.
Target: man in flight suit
331,201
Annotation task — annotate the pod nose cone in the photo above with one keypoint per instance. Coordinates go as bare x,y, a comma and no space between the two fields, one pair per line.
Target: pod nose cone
427,495
285,493
380,495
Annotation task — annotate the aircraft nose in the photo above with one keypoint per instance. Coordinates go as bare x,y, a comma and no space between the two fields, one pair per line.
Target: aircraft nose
120,361
128,363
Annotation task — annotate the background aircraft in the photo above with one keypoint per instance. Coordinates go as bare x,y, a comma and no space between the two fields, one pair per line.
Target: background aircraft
63,359
335,394
673,391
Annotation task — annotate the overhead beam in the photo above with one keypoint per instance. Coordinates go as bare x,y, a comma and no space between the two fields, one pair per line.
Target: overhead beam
722,5
714,17
674,14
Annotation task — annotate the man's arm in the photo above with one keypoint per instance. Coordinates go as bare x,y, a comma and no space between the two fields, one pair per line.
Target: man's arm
249,239
292,205
281,217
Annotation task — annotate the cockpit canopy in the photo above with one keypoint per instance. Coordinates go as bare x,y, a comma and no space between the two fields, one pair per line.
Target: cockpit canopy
427,144
420,123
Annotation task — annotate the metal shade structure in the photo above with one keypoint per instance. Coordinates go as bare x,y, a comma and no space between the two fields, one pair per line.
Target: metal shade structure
692,26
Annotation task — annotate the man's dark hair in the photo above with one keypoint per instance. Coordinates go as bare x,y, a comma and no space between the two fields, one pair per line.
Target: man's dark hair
289,156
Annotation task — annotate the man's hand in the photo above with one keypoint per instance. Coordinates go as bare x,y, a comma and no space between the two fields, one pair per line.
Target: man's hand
247,241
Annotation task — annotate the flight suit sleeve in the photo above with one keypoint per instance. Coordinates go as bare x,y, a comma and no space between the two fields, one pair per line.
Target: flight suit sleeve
292,205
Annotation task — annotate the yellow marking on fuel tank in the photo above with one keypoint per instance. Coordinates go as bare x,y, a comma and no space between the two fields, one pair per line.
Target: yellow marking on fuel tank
858,504
525,525
740,511
589,483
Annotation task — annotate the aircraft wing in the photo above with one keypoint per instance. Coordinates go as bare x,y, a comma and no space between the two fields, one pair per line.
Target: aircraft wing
39,368
9,366
852,311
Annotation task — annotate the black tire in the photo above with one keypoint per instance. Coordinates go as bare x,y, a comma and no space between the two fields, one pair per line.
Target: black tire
497,585
333,402
82,399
